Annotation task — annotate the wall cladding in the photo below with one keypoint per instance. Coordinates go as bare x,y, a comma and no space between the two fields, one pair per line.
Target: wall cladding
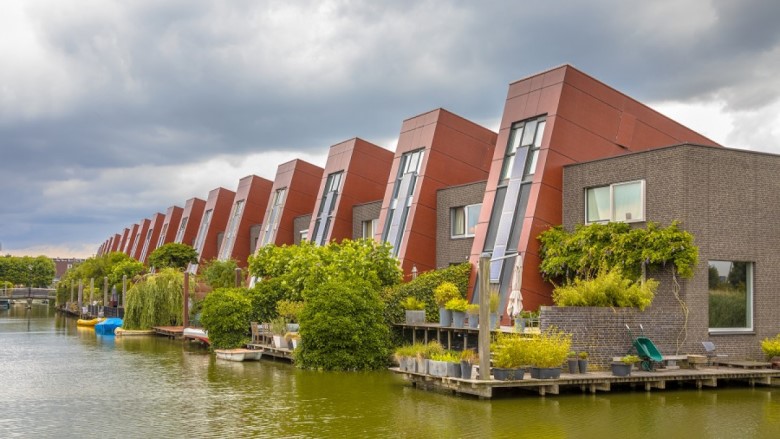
300,223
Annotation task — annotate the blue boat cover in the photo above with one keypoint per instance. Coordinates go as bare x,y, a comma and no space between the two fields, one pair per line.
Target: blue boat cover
107,326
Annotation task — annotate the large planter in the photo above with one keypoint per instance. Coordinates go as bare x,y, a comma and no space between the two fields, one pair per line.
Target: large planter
473,321
583,365
493,321
453,370
415,316
407,364
573,365
422,365
504,374
280,342
445,317
437,368
465,370
621,369
546,373
293,327
458,319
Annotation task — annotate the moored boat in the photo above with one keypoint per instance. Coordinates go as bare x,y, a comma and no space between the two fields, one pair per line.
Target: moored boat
108,326
196,334
239,354
89,322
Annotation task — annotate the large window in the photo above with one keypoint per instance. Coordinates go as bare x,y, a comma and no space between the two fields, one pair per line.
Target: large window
272,220
403,193
226,250
617,202
180,233
327,206
730,295
464,220
526,134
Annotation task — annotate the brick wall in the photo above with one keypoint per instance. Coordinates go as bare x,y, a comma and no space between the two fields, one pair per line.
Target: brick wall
300,223
454,250
364,212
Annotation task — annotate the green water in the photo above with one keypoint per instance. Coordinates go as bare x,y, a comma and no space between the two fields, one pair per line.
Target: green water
62,381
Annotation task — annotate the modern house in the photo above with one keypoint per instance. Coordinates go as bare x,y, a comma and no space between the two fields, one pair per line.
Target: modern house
212,225
190,221
558,117
170,225
152,236
247,211
435,150
129,243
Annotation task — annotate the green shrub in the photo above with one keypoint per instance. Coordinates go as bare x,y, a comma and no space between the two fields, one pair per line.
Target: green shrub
290,310
457,304
445,292
342,327
472,309
494,302
550,348
220,274
413,304
155,301
509,351
771,347
606,289
226,317
447,356
173,255
265,296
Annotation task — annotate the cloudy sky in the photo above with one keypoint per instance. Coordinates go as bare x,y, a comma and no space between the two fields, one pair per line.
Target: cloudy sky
112,111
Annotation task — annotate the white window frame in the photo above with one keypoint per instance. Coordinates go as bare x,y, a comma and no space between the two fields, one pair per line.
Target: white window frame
642,201
749,292
465,209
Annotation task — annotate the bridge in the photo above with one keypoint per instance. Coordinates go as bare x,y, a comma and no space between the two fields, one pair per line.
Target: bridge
33,293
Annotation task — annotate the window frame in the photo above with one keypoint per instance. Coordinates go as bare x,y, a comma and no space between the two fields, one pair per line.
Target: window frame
465,209
642,202
750,300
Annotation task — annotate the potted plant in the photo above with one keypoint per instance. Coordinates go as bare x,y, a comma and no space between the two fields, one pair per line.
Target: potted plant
444,364
494,302
415,310
458,308
582,362
548,351
424,353
771,349
623,367
290,310
442,294
467,359
572,362
510,354
278,328
472,311
293,339
406,356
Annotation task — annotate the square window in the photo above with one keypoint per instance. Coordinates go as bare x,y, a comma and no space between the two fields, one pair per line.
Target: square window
617,202
464,221
730,296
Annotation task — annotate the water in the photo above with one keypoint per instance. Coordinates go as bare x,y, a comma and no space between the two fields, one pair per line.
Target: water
62,381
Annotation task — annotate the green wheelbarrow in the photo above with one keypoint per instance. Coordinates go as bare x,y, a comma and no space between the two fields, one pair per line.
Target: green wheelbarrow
646,350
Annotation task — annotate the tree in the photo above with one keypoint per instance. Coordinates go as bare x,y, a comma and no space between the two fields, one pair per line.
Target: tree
226,313
174,255
156,300
220,274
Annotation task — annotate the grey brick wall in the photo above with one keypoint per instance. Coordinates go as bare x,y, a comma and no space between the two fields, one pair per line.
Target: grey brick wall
300,223
730,201
454,250
364,212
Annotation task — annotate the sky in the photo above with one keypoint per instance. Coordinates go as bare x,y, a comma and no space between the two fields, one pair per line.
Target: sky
111,111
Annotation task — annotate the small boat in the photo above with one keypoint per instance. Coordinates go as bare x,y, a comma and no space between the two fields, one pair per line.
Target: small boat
239,354
89,322
5,304
108,326
196,334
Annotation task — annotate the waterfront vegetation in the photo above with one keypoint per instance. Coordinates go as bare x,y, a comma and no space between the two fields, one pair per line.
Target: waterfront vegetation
155,300
173,255
113,266
37,272
220,274
771,347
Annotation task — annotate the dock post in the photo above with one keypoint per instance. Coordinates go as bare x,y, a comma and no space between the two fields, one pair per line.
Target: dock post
186,303
124,290
71,291
238,277
81,296
484,316
105,291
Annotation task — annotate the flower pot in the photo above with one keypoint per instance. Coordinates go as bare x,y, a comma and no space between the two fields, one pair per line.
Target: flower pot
437,368
465,370
493,321
453,370
621,369
573,366
583,365
506,374
445,317
546,373
280,342
458,318
414,316
293,327
473,321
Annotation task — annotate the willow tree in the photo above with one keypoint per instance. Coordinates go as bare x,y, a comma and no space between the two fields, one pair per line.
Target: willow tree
157,300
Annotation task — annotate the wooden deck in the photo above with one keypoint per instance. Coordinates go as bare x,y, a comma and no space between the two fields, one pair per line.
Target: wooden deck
169,331
271,351
595,381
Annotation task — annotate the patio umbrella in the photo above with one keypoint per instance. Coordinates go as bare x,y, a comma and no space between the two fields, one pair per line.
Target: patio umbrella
515,303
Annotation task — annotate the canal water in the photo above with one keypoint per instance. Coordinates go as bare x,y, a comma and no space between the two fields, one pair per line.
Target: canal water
58,380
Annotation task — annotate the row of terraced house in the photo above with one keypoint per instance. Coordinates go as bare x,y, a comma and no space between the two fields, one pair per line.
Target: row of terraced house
569,150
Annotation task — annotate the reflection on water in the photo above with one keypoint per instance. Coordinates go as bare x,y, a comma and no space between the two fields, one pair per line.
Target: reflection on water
65,381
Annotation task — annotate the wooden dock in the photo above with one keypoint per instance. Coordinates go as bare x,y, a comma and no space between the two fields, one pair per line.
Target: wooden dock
271,351
169,331
593,382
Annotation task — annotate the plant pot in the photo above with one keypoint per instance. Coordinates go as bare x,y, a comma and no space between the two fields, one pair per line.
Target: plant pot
465,370
573,365
583,365
493,321
422,365
408,364
473,321
458,319
621,369
294,343
546,373
280,342
453,370
414,316
293,327
437,368
445,317
507,374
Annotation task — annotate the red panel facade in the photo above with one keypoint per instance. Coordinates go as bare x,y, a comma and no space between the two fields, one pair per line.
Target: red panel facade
170,225
151,237
364,169
454,151
212,223
247,210
293,194
585,120
123,241
130,241
140,237
190,221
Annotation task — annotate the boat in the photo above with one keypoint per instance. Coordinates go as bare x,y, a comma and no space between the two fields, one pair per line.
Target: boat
89,322
5,304
107,326
239,354
196,334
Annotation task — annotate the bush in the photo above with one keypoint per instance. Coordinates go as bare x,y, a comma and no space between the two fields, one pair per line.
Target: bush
342,328
413,304
155,301
606,289
290,310
457,304
549,349
173,255
220,274
771,347
509,351
264,298
225,316
445,292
